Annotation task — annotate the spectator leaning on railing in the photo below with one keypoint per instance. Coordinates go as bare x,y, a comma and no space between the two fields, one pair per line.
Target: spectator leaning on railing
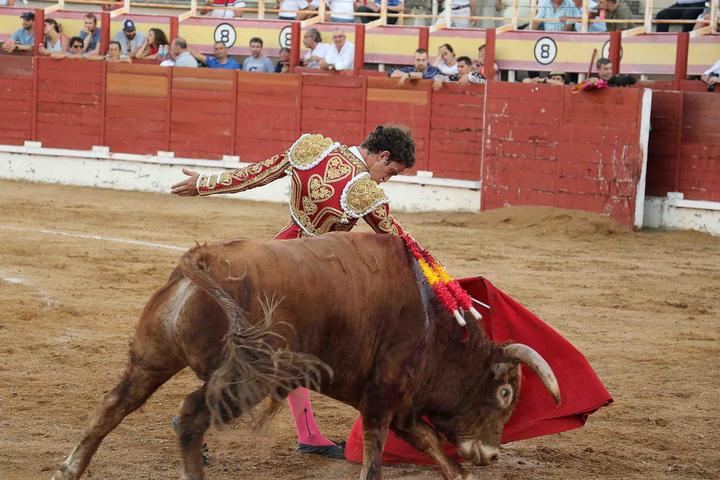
55,40
180,56
341,54
283,64
605,76
221,59
342,11
682,10
151,48
257,62
317,50
419,71
465,73
616,10
393,6
550,13
24,38
711,76
130,39
222,8
90,34
592,14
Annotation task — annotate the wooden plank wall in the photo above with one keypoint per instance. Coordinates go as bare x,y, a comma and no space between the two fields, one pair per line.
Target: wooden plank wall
456,131
409,105
335,106
17,99
69,103
202,116
684,145
548,146
268,114
137,109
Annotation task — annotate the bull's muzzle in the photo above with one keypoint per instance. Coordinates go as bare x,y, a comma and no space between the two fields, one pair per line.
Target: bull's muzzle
477,453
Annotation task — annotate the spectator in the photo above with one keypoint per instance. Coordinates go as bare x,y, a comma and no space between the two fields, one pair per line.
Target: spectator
604,73
90,34
465,73
297,9
445,61
55,40
76,49
460,8
682,10
283,64
479,65
257,62
7,3
317,50
24,38
341,54
342,11
420,71
550,13
180,55
555,78
704,19
711,76
223,8
155,41
616,10
577,13
221,59
115,55
393,6
129,39
523,11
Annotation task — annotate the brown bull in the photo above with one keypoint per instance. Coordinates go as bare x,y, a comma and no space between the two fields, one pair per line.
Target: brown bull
344,314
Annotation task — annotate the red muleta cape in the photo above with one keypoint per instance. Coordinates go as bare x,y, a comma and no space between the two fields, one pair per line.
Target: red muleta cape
535,413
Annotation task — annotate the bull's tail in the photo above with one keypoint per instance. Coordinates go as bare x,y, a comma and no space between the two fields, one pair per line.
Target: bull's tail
252,367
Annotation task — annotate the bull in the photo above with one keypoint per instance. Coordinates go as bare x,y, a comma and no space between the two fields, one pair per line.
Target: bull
344,314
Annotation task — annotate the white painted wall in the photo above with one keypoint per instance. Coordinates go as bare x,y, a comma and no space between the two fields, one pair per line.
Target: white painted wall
674,212
156,173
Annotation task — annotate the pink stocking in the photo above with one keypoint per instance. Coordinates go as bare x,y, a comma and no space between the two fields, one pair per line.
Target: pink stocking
307,430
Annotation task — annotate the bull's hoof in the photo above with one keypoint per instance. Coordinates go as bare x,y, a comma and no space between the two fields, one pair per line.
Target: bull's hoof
63,474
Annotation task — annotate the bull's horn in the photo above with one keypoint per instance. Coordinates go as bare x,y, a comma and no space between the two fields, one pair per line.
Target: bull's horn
537,364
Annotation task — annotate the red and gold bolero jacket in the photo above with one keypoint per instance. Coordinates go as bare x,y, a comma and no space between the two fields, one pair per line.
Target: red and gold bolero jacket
330,187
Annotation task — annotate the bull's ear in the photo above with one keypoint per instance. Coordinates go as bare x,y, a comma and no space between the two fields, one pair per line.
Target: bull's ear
501,368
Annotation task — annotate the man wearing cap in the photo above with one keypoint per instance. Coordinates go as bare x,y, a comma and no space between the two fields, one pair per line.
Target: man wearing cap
23,39
130,39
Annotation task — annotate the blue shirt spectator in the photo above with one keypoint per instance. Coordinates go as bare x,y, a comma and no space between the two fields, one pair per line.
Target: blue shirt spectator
230,63
550,12
428,74
24,37
421,70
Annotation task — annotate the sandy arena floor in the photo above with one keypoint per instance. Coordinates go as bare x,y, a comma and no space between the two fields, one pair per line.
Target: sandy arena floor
644,308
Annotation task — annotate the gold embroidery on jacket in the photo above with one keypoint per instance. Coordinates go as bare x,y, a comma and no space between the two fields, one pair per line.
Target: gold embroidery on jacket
336,169
385,223
319,190
308,206
309,149
363,196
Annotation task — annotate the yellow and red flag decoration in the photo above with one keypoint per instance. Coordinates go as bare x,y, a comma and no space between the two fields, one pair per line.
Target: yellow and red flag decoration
448,291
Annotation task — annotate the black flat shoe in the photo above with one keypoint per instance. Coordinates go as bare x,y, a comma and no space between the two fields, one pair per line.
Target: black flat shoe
328,451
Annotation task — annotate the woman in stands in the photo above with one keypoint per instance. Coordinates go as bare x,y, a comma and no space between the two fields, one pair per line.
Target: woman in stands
55,40
446,61
155,39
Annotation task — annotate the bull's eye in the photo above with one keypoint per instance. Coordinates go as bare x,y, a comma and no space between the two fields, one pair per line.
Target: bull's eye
505,393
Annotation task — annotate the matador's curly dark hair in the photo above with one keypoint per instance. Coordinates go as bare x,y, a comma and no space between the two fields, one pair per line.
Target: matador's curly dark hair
396,139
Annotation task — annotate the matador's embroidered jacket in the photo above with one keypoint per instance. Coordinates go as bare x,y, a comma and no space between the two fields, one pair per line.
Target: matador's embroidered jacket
330,187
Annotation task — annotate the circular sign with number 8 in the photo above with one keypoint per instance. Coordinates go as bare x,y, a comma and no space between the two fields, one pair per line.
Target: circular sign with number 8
545,50
225,33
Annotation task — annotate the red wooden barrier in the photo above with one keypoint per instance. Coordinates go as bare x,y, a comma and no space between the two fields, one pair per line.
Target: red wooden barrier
16,98
137,108
335,106
547,146
202,118
387,102
69,103
268,114
456,132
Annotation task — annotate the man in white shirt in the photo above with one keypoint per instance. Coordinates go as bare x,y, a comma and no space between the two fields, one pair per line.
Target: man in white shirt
342,11
341,54
297,9
181,56
316,49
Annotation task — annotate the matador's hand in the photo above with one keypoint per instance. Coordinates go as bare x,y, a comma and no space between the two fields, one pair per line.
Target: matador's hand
188,187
